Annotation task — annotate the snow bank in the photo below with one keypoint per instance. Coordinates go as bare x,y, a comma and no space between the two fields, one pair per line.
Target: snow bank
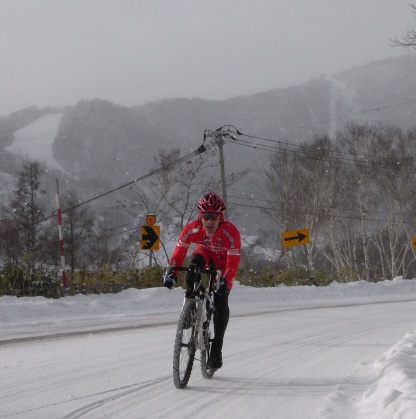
380,389
16,311
392,393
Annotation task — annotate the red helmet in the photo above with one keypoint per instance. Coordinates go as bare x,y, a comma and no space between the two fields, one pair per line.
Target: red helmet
211,203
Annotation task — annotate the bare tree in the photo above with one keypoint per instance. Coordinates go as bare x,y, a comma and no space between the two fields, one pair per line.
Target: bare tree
396,183
361,143
356,197
409,37
371,235
171,195
77,225
317,190
300,189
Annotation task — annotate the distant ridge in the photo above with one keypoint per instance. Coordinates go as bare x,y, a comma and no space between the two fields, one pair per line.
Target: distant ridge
103,145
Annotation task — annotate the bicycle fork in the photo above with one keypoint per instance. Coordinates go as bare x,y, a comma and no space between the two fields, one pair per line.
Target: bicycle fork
201,320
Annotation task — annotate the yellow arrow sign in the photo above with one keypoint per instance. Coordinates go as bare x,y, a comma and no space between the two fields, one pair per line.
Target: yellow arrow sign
295,237
150,238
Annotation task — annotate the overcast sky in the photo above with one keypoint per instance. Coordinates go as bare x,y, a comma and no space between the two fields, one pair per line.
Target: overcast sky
57,52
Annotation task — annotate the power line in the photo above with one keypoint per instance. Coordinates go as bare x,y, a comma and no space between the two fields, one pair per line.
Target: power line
358,160
323,207
331,215
336,160
264,147
245,143
200,150
265,208
168,218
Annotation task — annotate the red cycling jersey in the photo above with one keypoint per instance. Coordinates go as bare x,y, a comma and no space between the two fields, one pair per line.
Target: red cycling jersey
223,248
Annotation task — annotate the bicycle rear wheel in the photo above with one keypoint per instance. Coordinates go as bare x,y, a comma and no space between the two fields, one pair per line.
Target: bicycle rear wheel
207,372
184,349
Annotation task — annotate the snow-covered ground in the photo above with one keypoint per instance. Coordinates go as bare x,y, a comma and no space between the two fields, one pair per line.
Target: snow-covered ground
342,351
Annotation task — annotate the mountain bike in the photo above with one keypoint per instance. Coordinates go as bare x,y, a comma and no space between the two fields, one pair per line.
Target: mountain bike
195,327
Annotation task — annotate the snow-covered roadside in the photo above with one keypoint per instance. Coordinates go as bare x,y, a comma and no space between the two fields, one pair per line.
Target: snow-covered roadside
392,393
22,312
384,388
379,387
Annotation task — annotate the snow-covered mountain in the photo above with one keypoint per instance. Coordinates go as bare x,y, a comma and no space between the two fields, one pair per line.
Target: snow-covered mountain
97,145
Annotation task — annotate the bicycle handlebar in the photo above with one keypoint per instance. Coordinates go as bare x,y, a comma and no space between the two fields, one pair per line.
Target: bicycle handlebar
195,270
189,268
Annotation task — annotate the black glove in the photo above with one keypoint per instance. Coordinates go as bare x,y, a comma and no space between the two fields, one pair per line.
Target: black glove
222,290
169,277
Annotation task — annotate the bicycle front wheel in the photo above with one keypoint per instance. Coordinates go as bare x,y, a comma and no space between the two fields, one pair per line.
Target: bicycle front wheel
184,349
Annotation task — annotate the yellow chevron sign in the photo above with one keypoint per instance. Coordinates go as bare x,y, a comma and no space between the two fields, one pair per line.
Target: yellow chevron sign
150,238
295,237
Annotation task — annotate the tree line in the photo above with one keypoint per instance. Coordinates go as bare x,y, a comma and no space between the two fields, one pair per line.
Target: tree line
356,196
354,193
29,243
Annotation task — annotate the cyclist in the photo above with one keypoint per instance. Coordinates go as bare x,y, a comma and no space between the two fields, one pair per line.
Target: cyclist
217,242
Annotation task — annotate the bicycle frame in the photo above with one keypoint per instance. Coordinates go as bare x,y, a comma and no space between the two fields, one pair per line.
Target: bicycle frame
202,294
194,328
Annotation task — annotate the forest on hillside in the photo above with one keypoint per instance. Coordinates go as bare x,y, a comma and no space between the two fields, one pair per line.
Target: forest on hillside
355,194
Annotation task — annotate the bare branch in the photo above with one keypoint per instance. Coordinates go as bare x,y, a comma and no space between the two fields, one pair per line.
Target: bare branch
409,37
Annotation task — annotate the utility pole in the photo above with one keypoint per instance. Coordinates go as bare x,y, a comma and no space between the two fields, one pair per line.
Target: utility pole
61,239
229,131
220,143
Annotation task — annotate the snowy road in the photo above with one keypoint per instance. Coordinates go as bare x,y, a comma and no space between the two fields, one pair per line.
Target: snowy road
295,362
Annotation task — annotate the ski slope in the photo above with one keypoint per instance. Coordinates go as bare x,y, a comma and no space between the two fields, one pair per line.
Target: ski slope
36,139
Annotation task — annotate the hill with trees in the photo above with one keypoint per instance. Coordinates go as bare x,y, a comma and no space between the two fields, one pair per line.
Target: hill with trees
335,156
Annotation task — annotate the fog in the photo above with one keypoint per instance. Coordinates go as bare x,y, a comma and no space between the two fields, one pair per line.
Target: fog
55,53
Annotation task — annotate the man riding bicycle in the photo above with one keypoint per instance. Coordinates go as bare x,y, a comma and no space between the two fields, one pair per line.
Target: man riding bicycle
217,242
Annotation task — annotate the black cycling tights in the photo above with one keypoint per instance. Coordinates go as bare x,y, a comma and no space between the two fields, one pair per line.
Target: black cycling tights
221,317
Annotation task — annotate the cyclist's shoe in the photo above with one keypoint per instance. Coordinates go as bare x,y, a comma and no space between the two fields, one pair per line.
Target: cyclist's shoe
215,361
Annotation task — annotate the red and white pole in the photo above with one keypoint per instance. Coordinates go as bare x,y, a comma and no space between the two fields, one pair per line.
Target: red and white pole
61,238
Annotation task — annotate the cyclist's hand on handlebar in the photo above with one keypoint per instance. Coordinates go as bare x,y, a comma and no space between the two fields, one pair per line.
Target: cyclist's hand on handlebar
169,277
222,290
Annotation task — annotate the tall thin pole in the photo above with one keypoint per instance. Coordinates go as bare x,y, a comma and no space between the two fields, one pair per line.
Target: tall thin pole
61,238
223,184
